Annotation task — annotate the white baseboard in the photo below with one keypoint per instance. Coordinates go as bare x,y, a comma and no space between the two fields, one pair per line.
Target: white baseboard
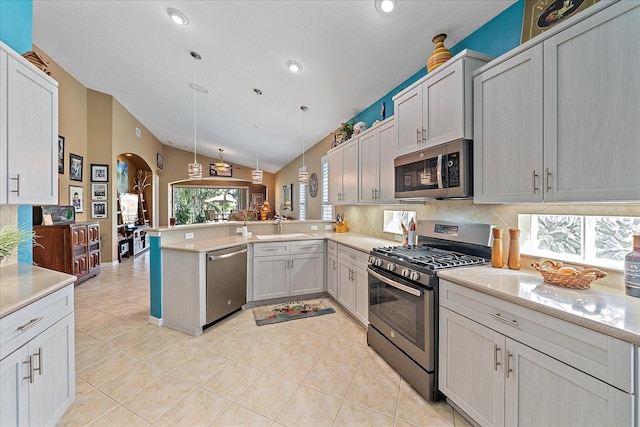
155,321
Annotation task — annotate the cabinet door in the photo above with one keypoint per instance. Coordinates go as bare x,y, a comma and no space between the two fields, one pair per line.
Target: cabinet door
508,130
591,108
350,173
361,282
270,279
81,265
94,233
443,106
335,177
408,117
332,276
471,367
53,387
346,286
387,151
32,127
14,389
307,273
541,391
369,160
79,236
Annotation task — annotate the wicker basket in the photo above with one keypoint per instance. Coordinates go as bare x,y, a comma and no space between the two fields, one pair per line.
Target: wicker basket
580,279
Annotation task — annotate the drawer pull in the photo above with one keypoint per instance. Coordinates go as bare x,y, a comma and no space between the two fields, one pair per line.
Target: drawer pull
30,376
30,324
509,356
499,317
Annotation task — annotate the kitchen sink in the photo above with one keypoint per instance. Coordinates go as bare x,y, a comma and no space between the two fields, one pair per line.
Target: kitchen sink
282,236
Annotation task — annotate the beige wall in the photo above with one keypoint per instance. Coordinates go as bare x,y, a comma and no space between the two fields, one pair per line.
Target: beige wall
289,175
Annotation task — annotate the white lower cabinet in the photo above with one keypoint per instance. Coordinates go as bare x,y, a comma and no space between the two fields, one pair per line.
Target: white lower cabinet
353,285
498,380
37,380
332,269
283,269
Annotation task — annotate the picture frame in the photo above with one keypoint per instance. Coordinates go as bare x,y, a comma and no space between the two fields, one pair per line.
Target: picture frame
99,191
75,167
257,199
98,210
76,198
540,15
99,173
122,177
159,161
215,172
61,154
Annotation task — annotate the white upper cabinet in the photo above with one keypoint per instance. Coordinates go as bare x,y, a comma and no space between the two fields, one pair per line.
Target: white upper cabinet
437,108
28,125
343,173
557,121
377,151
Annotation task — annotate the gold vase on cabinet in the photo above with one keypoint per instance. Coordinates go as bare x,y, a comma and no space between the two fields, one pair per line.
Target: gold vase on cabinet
440,53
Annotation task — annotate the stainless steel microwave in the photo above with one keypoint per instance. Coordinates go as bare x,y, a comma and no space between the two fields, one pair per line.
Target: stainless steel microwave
443,171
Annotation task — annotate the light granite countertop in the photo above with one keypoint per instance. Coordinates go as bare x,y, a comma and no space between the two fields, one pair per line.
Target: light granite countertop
23,284
357,241
601,308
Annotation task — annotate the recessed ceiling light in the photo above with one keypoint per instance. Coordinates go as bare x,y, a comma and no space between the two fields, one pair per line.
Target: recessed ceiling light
294,66
385,6
178,17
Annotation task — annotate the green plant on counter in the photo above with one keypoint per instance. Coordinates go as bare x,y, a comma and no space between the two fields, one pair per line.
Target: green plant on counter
11,236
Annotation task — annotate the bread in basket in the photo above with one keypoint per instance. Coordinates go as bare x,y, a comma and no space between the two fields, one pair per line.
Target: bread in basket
553,272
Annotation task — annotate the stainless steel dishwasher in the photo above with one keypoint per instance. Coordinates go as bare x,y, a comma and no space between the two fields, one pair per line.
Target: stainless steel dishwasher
226,281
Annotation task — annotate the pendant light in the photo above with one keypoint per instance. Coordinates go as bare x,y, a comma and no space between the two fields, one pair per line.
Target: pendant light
303,175
195,168
256,175
220,165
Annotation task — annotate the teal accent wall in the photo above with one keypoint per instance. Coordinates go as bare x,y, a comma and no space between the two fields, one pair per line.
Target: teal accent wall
155,277
25,221
16,23
494,38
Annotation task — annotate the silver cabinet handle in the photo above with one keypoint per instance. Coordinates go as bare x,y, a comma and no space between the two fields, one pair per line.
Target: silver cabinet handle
30,376
508,362
17,179
292,264
535,175
39,368
418,137
547,175
496,363
499,317
424,135
30,324
373,194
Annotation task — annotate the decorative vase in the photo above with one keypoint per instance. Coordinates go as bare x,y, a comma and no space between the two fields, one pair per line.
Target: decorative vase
440,53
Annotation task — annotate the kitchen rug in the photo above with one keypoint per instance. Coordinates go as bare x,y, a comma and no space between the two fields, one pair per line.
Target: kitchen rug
268,314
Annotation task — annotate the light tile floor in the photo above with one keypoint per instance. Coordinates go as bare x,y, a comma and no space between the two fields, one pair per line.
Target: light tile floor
313,372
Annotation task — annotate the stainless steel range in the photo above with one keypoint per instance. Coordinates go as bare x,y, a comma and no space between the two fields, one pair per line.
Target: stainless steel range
403,306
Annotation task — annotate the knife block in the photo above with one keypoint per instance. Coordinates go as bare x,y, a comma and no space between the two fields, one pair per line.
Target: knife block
341,227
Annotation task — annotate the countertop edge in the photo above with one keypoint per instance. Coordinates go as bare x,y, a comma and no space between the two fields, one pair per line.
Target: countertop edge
594,325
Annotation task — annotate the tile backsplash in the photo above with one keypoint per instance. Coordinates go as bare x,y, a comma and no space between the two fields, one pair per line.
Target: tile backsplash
369,219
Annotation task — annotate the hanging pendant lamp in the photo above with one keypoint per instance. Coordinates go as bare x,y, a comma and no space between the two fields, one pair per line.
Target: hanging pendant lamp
256,174
220,165
303,175
195,168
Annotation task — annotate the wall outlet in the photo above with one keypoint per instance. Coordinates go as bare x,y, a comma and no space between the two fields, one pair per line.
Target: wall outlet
327,227
314,228
397,238
188,236
238,229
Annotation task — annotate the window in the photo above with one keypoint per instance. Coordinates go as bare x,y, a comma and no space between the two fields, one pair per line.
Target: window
595,240
327,209
302,197
193,205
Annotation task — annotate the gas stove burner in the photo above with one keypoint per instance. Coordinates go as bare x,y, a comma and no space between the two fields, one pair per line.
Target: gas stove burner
426,257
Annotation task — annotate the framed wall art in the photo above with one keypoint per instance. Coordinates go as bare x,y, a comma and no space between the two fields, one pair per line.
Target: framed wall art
257,199
75,167
540,15
99,173
99,191
76,198
60,154
98,210
159,161
122,177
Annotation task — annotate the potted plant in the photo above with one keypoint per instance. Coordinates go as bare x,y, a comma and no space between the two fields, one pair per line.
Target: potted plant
11,236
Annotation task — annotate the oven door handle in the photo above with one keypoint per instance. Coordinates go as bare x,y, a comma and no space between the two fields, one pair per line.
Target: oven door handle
396,285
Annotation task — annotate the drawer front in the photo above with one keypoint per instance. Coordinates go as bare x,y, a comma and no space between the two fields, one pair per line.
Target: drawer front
606,358
19,327
354,256
332,248
270,249
307,246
